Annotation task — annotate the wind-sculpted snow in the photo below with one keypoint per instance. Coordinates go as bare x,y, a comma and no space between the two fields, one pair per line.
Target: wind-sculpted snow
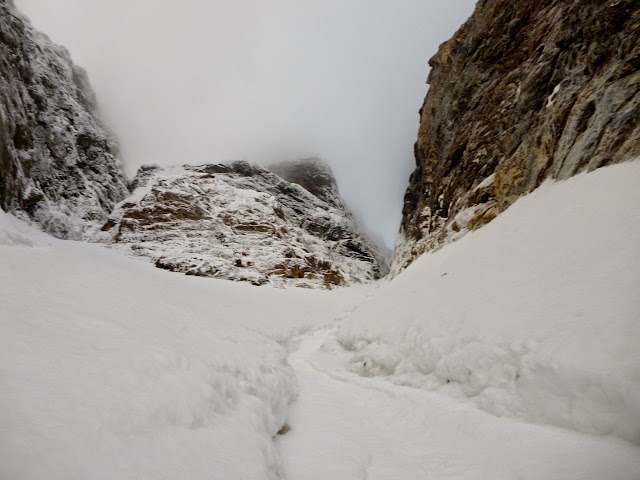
242,222
57,164
536,316
110,368
368,428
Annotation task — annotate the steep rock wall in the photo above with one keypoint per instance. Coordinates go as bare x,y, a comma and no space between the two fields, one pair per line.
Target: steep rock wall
242,222
57,163
524,91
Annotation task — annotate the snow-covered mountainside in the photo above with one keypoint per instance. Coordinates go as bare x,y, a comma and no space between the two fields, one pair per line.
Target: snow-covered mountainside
111,368
57,163
238,222
524,91
535,316
242,222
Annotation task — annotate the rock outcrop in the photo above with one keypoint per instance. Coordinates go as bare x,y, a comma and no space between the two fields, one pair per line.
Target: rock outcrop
313,175
242,222
524,91
57,163
58,169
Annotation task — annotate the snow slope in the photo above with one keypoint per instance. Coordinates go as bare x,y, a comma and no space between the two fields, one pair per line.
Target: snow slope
535,316
110,368
348,427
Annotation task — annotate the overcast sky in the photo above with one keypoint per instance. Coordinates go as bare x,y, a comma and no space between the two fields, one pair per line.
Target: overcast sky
211,80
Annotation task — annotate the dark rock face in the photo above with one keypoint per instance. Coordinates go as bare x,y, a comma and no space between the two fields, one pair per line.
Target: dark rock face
243,222
57,164
523,92
313,175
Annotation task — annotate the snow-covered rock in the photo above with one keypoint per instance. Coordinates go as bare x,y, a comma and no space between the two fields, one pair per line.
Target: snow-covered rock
242,222
524,91
57,163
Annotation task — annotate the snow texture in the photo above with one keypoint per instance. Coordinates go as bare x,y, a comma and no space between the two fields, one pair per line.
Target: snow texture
535,316
110,368
349,427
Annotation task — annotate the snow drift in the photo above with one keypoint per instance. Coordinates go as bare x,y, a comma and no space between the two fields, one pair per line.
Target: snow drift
110,368
535,316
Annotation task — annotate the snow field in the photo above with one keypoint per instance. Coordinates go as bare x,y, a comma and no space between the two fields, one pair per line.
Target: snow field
345,426
535,316
110,368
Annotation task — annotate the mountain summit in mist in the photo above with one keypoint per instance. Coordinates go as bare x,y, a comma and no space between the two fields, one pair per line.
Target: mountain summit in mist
237,222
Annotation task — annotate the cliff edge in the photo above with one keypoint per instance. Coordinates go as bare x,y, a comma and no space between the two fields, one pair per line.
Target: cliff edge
58,165
523,92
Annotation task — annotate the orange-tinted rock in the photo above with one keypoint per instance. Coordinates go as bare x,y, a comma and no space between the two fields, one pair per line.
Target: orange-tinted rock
523,92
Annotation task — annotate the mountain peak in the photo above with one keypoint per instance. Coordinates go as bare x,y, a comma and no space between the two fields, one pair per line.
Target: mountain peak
240,221
313,174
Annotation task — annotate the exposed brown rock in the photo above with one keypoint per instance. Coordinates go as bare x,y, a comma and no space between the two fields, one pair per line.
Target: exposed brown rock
524,91
242,222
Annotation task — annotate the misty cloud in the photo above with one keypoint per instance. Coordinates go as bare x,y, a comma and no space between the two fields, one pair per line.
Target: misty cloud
210,81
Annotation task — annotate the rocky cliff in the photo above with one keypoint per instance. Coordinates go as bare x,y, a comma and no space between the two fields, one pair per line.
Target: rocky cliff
243,222
58,169
57,163
524,91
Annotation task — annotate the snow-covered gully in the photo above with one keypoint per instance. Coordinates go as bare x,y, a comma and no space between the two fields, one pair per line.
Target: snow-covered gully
345,426
111,368
499,356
